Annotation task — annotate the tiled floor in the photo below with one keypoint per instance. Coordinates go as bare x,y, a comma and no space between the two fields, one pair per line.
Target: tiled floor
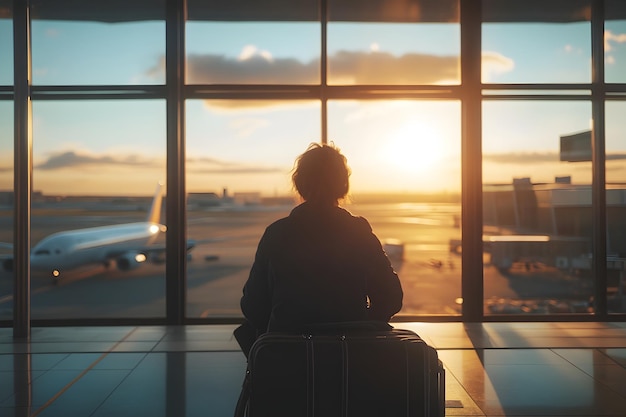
492,369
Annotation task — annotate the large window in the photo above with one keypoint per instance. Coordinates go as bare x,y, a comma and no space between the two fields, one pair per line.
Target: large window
6,160
406,180
253,43
6,46
616,205
253,53
555,53
6,206
239,158
537,208
96,166
430,140
95,53
98,161
537,233
615,42
393,53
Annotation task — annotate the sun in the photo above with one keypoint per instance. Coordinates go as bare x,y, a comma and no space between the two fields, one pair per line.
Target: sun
414,148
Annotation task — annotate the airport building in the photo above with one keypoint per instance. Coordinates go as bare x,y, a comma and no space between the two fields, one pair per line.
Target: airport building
487,147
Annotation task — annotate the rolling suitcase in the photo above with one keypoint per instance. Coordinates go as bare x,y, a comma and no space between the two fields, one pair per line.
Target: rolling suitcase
343,374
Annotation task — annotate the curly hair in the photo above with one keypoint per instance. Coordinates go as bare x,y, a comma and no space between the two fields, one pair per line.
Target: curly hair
321,174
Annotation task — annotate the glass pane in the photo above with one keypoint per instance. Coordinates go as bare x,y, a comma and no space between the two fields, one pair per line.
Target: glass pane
537,207
239,158
96,53
546,42
6,45
258,49
6,208
405,158
616,205
97,165
615,42
393,53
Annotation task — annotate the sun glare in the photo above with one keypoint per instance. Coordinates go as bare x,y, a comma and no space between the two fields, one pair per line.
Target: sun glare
414,148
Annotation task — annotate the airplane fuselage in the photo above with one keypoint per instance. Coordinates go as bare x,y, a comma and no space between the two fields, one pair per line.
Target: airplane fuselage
95,245
128,245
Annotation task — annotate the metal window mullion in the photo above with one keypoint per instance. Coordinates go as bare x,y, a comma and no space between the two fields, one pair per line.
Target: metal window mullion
598,189
22,180
324,69
471,149
175,268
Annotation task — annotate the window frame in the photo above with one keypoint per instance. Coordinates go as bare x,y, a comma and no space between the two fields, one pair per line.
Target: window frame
471,92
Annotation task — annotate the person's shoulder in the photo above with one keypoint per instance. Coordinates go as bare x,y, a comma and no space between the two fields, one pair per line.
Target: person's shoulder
278,224
358,221
284,222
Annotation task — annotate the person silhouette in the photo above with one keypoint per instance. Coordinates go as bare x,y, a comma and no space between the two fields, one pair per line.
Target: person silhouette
320,264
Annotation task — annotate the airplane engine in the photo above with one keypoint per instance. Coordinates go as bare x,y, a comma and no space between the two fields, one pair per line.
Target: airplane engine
130,261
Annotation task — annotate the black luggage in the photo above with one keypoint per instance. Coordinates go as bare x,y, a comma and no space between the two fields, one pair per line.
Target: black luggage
343,374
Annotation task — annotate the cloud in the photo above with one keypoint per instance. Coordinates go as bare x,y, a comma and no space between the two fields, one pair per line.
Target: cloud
52,32
206,165
228,106
494,63
257,66
376,67
571,49
251,51
245,127
157,72
238,170
610,38
250,67
522,157
72,159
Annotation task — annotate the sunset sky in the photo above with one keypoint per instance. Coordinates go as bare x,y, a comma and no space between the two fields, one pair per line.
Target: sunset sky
118,147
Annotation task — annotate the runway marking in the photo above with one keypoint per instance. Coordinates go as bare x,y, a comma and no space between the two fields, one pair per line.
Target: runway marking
79,376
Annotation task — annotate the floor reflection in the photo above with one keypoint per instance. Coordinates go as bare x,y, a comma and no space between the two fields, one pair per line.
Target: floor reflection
22,385
492,369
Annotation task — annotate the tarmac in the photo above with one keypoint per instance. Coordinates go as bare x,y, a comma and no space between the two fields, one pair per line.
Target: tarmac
430,273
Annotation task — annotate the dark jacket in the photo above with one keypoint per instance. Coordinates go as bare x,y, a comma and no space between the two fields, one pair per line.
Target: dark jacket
320,264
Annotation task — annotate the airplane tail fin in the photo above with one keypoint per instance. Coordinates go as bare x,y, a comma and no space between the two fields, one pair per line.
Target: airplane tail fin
154,215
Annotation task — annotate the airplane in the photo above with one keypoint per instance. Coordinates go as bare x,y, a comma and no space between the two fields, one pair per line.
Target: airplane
128,245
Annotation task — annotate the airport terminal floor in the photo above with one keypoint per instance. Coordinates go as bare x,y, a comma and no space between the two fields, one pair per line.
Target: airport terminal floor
492,369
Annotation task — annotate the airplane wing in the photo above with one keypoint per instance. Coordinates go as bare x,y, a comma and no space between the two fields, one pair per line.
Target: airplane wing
132,258
159,250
